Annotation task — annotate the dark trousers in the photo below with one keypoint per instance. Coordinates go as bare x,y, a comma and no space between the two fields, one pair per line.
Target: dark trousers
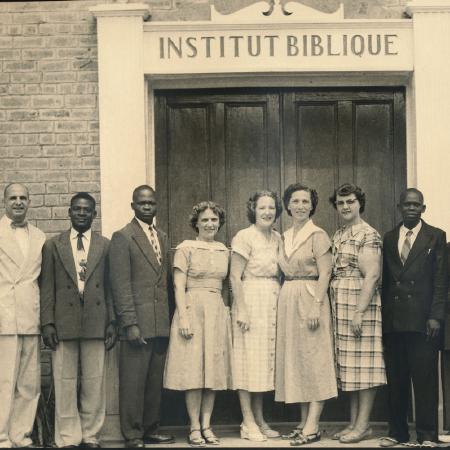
140,383
445,376
411,356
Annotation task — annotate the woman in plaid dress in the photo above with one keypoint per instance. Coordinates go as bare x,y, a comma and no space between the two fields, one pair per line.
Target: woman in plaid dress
254,276
357,310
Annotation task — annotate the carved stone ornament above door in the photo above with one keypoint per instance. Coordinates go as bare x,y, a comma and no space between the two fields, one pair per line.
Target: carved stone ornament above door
277,11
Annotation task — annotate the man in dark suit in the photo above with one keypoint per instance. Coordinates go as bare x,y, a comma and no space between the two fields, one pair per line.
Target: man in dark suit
414,300
140,272
77,320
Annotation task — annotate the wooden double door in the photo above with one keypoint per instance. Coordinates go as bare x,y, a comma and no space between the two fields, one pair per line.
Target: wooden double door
225,144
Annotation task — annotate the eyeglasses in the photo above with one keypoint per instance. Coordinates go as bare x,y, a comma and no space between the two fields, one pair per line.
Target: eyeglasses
348,202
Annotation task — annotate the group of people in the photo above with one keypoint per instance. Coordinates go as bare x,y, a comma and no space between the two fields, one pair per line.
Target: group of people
309,316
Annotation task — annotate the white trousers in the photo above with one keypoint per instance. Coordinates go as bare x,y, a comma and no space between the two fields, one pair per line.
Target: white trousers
20,387
72,426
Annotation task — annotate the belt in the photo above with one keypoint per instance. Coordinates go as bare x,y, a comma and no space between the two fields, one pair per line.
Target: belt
256,277
210,289
306,277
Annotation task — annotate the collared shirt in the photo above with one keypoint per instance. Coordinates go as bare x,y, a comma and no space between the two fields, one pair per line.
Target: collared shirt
412,238
22,237
80,256
148,230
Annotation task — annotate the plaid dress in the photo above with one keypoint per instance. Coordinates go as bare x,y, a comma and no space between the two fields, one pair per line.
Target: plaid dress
359,361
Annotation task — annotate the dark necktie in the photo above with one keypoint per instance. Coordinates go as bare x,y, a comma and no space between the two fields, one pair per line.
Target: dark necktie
80,246
406,247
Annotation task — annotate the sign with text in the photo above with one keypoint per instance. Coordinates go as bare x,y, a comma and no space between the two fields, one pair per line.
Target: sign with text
267,50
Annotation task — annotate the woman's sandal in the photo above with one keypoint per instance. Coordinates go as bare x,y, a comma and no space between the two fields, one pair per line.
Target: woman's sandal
303,439
293,434
195,442
336,436
209,436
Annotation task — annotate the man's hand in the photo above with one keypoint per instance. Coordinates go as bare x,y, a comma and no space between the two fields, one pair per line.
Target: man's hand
433,327
134,336
110,336
50,336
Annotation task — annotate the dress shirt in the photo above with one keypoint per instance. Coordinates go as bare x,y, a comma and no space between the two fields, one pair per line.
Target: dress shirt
22,237
146,228
412,238
80,255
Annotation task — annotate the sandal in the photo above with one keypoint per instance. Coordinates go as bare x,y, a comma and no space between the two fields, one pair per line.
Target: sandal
209,436
303,439
268,432
293,434
336,436
195,442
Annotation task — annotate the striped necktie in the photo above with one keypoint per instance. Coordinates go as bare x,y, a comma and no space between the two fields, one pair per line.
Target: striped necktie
406,247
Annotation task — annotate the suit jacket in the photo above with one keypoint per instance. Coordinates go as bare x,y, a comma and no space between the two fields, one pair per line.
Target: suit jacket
446,345
76,318
141,286
417,291
19,290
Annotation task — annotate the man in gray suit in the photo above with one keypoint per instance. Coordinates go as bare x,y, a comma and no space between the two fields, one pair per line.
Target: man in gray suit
140,272
77,320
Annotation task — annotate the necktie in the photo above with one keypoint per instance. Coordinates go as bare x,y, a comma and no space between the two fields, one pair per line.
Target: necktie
406,247
80,246
155,245
19,225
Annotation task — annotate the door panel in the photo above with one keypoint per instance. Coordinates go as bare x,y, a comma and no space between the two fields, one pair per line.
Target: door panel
225,144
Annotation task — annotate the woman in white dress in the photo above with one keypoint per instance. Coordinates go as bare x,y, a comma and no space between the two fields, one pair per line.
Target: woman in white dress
254,276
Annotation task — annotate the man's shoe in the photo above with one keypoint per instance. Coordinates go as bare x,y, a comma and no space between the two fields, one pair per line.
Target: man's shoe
90,445
445,437
388,442
134,443
157,438
429,444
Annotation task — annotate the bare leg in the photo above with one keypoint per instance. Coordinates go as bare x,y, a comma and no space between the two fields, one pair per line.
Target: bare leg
245,400
193,404
366,398
207,407
304,407
257,408
353,416
313,418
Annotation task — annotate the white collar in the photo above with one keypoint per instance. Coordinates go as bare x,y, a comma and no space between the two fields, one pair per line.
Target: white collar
290,244
415,230
87,234
145,226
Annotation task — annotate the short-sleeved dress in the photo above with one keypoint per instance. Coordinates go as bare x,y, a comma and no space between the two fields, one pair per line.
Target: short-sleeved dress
204,361
254,350
305,367
359,361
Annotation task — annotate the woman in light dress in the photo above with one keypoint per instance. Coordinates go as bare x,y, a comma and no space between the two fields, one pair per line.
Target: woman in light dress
355,296
199,353
305,370
254,277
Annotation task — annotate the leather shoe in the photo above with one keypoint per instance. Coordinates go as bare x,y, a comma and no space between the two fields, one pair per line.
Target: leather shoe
90,445
134,443
157,438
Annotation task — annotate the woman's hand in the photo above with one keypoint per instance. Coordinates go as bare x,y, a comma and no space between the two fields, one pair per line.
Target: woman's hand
185,327
242,319
356,325
314,315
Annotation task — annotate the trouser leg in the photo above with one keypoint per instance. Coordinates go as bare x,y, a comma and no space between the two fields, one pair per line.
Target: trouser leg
423,356
398,383
28,389
10,358
92,390
133,368
154,384
65,375
445,374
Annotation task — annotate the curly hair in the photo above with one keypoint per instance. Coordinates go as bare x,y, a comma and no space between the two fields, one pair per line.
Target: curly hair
300,187
347,189
203,206
253,200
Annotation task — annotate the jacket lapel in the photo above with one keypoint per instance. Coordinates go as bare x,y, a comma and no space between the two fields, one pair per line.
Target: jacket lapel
142,242
422,240
94,255
9,244
64,250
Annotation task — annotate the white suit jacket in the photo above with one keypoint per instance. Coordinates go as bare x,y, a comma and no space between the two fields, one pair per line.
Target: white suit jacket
19,290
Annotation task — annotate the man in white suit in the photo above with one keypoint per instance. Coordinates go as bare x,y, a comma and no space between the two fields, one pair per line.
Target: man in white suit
20,265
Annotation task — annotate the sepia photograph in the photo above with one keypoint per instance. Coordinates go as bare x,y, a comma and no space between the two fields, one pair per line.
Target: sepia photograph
224,223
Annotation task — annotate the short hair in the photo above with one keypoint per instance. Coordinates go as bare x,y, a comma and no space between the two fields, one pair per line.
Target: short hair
5,191
84,196
203,206
251,204
347,189
416,191
300,187
142,187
